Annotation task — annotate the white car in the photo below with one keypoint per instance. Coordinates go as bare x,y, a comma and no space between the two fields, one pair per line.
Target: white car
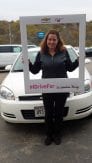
18,107
9,52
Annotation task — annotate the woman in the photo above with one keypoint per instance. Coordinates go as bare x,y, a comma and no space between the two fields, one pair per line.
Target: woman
54,61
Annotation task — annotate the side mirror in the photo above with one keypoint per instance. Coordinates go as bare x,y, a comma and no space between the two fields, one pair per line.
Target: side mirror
8,67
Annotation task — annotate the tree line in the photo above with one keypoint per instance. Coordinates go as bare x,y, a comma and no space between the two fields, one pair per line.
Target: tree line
10,32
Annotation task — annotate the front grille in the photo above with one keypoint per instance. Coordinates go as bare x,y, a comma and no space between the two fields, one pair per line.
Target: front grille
30,98
30,114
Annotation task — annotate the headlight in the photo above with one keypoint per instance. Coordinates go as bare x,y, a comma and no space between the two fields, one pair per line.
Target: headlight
87,87
6,93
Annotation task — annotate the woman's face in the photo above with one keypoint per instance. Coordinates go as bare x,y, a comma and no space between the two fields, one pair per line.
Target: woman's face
52,41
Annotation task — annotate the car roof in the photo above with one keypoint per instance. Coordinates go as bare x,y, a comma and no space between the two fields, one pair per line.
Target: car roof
10,45
17,45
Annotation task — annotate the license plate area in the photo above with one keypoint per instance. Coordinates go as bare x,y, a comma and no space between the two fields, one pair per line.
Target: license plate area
39,111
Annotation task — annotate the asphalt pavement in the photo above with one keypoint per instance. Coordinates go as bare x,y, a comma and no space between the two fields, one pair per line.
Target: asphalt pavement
21,143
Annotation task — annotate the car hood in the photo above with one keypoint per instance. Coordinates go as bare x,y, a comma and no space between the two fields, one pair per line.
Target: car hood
15,80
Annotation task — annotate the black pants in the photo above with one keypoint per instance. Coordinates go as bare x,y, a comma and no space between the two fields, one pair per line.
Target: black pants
54,107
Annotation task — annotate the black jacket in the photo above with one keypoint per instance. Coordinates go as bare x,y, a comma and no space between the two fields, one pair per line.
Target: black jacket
53,66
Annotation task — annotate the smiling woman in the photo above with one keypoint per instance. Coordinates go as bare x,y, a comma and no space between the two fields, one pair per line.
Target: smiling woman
54,61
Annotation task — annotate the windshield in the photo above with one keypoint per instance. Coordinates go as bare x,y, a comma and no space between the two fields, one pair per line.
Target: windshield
72,54
18,66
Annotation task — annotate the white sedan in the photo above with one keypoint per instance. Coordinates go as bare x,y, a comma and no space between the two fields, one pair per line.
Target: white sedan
18,107
9,52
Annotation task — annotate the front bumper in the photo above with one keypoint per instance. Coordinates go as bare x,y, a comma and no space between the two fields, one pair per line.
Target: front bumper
77,107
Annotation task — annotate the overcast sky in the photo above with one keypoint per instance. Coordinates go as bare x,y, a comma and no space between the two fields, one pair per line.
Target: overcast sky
13,9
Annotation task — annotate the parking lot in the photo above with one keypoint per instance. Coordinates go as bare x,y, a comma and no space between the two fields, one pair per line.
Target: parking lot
25,142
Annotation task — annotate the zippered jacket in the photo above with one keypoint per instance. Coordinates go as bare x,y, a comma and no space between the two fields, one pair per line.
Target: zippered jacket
53,66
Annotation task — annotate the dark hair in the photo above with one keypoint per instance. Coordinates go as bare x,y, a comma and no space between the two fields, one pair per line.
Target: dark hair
60,45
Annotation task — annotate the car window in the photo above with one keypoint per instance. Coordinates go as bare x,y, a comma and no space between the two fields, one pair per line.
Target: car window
4,49
10,49
88,52
16,49
72,54
18,66
31,46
